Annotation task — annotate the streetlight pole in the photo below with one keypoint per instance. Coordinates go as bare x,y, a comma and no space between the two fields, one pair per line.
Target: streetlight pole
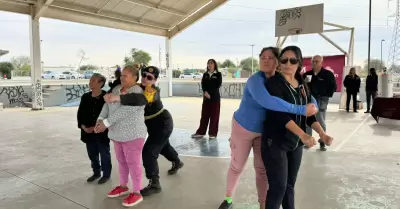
252,58
381,52
369,33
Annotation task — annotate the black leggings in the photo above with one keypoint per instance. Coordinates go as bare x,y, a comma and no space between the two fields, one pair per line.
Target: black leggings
282,167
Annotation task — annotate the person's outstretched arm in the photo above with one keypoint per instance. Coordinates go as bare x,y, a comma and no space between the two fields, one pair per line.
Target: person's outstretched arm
133,99
257,89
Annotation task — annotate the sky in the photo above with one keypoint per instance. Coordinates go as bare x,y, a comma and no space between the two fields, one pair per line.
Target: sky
226,33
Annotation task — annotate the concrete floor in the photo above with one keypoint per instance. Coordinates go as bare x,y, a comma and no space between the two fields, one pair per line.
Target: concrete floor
44,165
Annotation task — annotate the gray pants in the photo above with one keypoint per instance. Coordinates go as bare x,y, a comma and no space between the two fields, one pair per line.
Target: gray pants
321,115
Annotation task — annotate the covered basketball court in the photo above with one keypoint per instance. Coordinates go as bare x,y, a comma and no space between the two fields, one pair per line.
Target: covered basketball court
165,18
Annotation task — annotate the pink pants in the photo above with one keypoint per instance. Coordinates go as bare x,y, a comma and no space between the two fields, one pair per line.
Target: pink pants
241,143
129,155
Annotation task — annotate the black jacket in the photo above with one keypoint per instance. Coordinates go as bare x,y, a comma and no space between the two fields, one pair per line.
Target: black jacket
352,84
88,112
113,84
323,84
135,99
371,83
275,123
211,83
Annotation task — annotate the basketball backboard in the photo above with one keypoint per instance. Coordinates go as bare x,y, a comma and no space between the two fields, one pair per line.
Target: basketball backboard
299,20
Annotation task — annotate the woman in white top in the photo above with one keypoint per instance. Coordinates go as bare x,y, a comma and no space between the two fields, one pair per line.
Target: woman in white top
128,132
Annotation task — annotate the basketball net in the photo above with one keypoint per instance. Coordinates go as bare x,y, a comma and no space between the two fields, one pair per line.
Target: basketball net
294,38
295,34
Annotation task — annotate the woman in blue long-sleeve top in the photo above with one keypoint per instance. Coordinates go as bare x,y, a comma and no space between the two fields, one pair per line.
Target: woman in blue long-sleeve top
247,126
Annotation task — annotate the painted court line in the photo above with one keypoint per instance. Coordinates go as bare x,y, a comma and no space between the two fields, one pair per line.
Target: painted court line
351,134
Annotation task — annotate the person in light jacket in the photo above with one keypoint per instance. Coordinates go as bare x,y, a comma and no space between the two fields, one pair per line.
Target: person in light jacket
128,131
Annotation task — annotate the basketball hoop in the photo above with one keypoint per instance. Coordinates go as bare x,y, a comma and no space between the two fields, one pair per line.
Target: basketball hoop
295,32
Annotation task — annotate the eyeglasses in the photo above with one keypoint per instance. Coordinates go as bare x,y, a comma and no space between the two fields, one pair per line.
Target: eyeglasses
292,60
148,77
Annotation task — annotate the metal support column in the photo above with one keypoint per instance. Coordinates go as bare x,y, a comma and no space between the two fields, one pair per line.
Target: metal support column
36,64
168,63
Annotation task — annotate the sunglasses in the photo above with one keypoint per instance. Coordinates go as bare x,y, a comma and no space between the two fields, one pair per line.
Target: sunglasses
148,77
292,60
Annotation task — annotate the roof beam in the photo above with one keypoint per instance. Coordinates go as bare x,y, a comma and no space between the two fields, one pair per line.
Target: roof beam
41,6
90,19
110,15
208,7
157,7
15,7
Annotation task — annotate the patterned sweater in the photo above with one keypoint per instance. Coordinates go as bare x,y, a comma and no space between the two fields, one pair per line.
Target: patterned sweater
125,123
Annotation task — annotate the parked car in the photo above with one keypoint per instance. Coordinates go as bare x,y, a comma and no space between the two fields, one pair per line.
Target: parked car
53,75
88,74
74,75
191,75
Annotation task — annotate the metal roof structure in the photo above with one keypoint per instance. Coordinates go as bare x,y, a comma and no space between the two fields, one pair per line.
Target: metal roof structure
165,18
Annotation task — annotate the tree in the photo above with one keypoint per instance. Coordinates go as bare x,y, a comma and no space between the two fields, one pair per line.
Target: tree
219,64
87,67
176,73
374,63
21,65
228,64
6,68
137,57
246,64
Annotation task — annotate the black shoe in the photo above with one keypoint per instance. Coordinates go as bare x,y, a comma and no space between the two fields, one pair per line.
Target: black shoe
355,111
367,111
154,187
175,167
322,145
103,180
92,178
347,110
225,205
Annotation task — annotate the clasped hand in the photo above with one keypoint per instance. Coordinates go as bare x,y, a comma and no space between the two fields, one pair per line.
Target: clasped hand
100,127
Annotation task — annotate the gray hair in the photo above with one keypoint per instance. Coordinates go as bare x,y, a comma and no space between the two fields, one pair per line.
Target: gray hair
101,78
322,58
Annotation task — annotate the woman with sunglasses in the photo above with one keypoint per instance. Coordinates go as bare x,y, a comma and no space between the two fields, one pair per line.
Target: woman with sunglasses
247,126
284,133
159,127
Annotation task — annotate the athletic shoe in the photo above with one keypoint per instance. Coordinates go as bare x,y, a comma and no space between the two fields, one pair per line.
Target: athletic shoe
132,200
212,137
118,191
225,205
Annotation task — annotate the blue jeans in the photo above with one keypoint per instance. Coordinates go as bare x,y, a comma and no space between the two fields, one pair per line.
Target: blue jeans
99,150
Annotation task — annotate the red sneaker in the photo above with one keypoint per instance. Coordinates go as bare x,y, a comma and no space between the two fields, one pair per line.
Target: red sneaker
118,191
132,200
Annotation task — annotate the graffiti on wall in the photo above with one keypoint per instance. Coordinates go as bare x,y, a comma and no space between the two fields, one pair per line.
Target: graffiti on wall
15,94
228,90
38,94
75,91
